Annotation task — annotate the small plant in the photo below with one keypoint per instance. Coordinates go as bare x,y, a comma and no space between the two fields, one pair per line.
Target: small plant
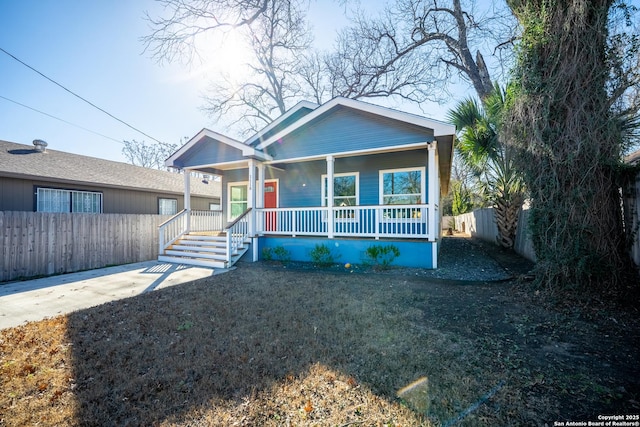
381,257
282,254
322,256
185,326
279,253
267,254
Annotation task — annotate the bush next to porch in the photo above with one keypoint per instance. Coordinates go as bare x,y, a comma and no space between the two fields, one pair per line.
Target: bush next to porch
381,257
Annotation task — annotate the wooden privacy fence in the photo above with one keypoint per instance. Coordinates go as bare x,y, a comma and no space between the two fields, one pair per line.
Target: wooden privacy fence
481,223
42,244
631,199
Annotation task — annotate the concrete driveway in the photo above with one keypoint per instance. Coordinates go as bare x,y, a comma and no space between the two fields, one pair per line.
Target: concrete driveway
31,300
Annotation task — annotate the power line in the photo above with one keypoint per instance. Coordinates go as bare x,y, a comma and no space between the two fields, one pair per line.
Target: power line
80,97
62,120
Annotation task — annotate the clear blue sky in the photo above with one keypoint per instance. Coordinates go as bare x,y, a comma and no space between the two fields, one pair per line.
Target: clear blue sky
93,48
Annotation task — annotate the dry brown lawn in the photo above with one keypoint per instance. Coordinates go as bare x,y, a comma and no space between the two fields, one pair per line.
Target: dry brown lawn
265,346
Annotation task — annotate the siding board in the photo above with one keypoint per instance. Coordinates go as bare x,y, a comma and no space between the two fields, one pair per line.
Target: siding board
301,183
210,151
345,129
18,195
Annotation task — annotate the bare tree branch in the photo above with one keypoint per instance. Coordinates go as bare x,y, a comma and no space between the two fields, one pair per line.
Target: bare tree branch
278,38
148,156
173,37
410,51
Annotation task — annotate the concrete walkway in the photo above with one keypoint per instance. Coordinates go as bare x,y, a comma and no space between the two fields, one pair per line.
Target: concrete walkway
31,300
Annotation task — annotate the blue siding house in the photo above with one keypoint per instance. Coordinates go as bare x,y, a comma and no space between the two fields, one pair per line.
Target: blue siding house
347,174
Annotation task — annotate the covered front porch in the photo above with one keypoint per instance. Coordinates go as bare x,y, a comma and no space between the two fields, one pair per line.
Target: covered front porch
251,216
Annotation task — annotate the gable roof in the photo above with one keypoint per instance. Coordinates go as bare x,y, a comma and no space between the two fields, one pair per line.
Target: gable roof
225,153
244,149
294,113
439,128
24,161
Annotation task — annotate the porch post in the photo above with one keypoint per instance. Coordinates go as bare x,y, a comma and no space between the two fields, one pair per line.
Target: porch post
259,215
260,194
187,198
260,198
330,218
251,197
433,197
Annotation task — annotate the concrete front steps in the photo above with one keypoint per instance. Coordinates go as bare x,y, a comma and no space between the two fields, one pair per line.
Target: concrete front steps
201,250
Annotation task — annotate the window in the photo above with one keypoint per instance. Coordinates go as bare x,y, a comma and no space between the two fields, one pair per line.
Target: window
167,206
238,196
345,189
56,200
402,186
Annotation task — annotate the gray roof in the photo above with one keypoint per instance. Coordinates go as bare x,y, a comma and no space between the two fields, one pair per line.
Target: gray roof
24,161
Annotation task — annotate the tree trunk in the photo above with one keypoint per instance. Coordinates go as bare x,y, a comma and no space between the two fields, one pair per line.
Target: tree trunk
506,215
568,145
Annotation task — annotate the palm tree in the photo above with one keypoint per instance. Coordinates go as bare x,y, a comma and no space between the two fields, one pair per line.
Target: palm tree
481,148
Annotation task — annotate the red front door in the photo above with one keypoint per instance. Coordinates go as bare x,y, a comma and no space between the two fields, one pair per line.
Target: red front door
270,201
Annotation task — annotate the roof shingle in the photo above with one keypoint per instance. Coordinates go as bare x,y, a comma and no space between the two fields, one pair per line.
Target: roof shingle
24,161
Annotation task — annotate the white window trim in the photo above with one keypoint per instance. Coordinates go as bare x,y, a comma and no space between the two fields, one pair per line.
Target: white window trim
423,182
235,184
71,198
349,215
160,199
337,175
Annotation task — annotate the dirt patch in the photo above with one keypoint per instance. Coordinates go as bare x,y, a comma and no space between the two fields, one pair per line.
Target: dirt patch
266,346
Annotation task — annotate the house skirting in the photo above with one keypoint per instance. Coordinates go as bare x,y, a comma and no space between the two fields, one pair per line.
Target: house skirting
413,253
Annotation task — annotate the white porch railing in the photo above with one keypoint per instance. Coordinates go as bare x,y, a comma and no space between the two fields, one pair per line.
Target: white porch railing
186,221
237,234
206,221
172,229
398,221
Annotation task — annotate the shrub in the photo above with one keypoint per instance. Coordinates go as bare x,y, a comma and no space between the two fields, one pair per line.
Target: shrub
380,256
267,254
282,254
279,253
322,256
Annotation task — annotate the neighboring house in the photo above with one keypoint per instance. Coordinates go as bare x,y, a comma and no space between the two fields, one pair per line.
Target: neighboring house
34,178
346,174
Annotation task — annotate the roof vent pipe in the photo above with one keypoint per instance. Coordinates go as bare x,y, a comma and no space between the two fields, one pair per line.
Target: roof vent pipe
40,145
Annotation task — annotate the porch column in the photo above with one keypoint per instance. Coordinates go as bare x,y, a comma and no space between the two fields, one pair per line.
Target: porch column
433,196
258,216
260,193
251,197
330,217
187,198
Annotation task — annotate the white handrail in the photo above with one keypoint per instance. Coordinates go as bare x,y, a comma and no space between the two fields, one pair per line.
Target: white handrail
172,229
237,234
